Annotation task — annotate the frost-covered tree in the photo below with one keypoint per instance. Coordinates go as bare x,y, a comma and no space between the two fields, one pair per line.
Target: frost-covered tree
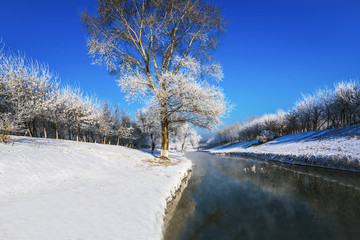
184,136
92,128
291,123
347,102
125,130
46,97
106,122
147,119
29,86
326,101
57,109
162,49
309,112
7,123
5,98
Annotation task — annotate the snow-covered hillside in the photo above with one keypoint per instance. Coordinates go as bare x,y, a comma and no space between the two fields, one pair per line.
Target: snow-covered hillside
335,148
56,189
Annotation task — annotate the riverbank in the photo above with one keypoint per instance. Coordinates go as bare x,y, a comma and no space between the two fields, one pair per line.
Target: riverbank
174,201
57,189
334,148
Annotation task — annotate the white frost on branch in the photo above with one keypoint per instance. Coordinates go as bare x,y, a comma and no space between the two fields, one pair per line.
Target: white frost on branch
132,82
191,99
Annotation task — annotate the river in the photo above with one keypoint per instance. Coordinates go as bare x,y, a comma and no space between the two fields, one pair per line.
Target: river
247,198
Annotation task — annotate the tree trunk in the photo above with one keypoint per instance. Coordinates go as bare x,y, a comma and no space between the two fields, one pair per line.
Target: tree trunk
328,118
45,134
28,129
44,126
34,131
56,128
164,139
152,148
183,144
77,133
152,143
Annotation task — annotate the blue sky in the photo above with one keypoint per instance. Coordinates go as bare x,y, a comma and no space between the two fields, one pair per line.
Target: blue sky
271,53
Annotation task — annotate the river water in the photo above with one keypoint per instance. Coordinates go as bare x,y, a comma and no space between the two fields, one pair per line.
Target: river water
247,198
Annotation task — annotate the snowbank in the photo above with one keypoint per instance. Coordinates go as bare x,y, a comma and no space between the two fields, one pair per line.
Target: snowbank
336,148
56,189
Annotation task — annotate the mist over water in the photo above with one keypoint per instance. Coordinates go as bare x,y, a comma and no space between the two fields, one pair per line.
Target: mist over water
244,198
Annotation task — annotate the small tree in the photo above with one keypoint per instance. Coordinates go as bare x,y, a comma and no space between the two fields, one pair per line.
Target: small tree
125,130
161,49
184,135
147,119
105,122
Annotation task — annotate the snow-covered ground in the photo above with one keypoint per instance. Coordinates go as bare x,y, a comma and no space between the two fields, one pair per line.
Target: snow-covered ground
57,189
336,148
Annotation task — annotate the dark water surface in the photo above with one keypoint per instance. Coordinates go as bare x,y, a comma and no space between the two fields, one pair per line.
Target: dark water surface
244,198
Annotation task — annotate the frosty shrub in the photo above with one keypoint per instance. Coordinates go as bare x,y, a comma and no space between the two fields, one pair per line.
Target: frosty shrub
267,136
6,127
4,138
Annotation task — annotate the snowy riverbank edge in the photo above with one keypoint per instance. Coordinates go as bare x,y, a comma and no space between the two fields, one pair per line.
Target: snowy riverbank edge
57,189
334,149
337,162
174,200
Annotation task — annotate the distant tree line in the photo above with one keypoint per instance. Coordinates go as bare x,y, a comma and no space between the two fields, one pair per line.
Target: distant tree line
324,109
32,103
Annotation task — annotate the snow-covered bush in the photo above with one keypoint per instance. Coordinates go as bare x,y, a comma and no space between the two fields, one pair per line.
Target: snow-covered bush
267,136
7,126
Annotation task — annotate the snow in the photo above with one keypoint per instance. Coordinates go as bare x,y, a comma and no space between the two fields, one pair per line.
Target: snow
336,148
58,189
234,146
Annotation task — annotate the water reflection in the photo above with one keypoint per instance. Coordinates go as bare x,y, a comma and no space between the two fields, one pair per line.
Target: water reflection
232,198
